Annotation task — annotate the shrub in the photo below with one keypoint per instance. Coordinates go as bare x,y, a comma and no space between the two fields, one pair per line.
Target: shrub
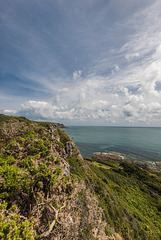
60,144
7,160
51,158
10,225
15,181
33,150
11,145
30,134
47,143
57,161
63,136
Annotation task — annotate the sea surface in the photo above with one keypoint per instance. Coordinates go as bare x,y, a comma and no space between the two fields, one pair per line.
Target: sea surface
134,143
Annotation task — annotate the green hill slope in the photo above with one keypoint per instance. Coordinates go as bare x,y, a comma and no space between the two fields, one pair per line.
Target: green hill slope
48,191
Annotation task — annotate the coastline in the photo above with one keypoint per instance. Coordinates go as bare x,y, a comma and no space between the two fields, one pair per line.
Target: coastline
135,144
117,157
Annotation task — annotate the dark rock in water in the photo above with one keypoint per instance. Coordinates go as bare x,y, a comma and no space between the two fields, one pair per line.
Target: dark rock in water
107,156
118,158
142,165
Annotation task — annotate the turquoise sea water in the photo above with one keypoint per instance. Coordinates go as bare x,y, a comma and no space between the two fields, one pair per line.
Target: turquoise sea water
136,143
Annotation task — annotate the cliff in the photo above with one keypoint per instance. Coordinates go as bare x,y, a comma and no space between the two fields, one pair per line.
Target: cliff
48,191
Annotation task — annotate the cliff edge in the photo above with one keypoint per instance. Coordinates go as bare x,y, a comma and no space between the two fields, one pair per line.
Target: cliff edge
48,191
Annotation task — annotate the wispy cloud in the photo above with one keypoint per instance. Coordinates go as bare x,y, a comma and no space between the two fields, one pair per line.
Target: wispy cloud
85,60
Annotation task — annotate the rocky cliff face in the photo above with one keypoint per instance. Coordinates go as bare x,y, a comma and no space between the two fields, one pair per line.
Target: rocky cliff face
48,191
36,177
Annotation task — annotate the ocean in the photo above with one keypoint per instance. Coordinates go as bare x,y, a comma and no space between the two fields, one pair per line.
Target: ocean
134,143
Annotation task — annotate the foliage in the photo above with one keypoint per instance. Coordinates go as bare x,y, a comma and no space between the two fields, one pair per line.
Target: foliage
14,179
30,175
63,136
5,118
10,225
60,144
57,161
130,198
33,150
30,134
76,167
51,158
8,160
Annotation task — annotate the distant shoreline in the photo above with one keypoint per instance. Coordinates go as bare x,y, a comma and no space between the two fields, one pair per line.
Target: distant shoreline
112,157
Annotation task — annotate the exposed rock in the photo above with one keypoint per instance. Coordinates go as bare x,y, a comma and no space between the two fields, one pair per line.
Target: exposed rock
141,165
69,147
107,156
65,168
158,163
52,129
78,215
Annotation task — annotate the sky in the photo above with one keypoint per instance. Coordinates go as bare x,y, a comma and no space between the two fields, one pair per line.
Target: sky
81,62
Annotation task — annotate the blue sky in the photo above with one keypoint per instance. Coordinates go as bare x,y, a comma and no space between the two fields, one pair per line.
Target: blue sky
83,62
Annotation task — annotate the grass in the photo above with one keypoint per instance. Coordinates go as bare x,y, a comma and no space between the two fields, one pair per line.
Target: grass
100,165
130,198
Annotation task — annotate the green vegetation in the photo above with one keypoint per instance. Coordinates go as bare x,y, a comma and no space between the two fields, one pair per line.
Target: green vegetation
76,167
11,227
27,168
26,180
63,136
130,198
31,178
5,118
60,144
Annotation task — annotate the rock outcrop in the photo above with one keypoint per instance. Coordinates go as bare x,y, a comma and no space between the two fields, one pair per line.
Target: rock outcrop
69,147
107,156
60,207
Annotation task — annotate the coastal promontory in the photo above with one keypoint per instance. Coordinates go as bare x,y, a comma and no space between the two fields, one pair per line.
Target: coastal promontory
49,191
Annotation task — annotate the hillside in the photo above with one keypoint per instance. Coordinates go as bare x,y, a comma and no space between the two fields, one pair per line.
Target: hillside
48,191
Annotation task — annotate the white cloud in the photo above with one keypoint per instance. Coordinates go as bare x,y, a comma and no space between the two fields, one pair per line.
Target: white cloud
132,55
77,75
9,112
129,110
35,104
115,69
63,90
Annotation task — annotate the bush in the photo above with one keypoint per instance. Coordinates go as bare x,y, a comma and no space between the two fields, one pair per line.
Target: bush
15,181
30,134
51,158
33,150
63,136
57,161
60,144
7,160
11,227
